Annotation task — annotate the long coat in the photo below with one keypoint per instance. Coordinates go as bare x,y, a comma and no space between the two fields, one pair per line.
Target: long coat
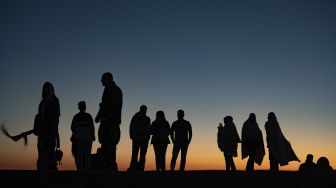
278,144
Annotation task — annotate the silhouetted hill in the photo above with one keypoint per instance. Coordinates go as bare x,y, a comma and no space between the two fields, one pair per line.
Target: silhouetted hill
192,179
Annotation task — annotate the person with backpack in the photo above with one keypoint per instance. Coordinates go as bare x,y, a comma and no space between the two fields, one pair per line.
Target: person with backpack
181,134
160,129
83,134
139,133
227,140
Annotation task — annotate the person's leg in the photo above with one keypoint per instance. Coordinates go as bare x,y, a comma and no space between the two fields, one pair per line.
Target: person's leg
115,140
51,146
184,150
134,158
233,166
164,150
143,152
252,152
227,162
157,156
176,150
79,158
86,154
42,162
273,163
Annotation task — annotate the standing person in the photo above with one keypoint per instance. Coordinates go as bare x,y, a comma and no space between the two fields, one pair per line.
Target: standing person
280,150
109,116
46,128
139,133
83,135
181,134
160,129
227,140
252,142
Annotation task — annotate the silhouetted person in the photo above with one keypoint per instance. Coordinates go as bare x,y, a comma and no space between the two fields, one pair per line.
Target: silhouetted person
139,133
227,140
46,128
109,116
83,135
308,165
181,134
252,142
323,165
280,150
160,129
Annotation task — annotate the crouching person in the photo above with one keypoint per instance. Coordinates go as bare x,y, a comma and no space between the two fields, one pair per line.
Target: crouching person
82,137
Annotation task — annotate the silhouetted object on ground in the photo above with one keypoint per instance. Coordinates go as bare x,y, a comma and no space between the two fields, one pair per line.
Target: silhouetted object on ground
160,129
181,134
97,162
46,128
227,140
83,135
280,150
16,138
109,116
139,133
323,165
308,165
252,143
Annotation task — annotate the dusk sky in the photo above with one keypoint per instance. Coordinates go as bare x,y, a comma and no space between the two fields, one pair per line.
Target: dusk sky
209,58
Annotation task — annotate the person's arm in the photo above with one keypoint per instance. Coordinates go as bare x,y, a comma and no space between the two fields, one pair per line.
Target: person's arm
131,129
98,116
189,132
92,128
267,135
58,143
172,131
147,127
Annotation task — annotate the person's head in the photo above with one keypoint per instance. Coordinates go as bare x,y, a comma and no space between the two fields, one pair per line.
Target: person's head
143,109
309,158
322,162
48,89
228,120
180,114
271,116
160,115
107,79
252,117
82,106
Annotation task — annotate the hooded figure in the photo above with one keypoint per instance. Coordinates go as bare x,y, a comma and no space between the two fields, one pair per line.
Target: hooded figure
280,150
252,142
47,128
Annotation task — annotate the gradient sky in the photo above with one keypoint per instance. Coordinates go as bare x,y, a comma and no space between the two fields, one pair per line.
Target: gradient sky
210,58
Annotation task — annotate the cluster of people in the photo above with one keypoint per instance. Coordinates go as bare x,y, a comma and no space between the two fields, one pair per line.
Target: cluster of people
109,117
280,150
142,132
322,164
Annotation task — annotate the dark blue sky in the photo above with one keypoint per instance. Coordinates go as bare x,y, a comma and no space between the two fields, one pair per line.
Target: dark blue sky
211,58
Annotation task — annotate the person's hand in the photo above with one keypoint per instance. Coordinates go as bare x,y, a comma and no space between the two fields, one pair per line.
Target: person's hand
97,119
